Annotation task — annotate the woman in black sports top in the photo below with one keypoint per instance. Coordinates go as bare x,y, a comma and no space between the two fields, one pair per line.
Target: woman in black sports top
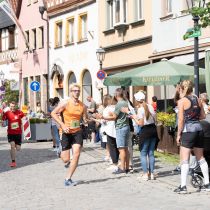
190,134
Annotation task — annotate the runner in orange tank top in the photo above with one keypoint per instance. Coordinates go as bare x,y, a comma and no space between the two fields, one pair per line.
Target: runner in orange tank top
72,111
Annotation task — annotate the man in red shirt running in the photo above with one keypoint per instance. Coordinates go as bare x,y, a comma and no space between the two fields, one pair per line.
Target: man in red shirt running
14,131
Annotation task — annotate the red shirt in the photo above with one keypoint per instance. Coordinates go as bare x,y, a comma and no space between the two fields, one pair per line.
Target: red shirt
14,121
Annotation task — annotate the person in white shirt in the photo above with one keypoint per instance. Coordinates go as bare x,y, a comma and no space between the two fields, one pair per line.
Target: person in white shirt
148,137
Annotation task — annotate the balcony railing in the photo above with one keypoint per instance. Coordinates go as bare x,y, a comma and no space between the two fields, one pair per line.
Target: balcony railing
8,56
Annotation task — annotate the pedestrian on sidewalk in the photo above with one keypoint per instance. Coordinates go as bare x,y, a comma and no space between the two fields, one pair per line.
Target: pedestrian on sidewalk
14,131
122,130
148,137
109,132
55,128
190,134
72,111
91,123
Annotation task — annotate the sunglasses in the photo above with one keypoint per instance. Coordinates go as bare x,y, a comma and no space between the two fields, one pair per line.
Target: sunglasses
75,91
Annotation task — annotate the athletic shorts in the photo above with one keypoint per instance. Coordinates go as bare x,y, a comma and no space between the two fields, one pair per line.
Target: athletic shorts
192,139
17,138
67,140
92,126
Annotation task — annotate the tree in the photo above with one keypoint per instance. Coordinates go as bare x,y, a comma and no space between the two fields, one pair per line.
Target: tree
10,95
203,13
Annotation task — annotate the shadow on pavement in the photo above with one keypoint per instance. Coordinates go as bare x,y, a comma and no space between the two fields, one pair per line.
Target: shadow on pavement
90,163
25,157
99,180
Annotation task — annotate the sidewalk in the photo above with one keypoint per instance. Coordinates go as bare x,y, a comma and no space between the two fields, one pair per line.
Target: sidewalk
37,184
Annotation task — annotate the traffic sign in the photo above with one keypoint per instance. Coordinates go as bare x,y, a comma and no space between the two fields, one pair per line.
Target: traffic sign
101,74
35,86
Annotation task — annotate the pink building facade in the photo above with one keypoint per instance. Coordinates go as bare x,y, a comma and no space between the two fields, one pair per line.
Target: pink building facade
33,61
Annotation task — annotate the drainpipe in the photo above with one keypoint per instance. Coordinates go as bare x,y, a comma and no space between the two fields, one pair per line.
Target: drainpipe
42,9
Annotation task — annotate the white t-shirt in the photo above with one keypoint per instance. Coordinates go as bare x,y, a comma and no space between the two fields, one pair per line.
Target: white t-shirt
108,126
141,115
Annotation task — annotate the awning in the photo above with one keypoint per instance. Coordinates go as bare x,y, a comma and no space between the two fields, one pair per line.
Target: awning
186,59
58,71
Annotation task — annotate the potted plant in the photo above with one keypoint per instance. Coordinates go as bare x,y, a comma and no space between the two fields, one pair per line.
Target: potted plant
166,123
40,129
168,120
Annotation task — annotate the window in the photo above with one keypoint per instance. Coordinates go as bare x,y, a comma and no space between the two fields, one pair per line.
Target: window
33,39
82,27
139,10
38,93
11,31
40,37
27,36
110,15
166,7
120,11
28,2
25,92
4,38
70,31
58,34
169,6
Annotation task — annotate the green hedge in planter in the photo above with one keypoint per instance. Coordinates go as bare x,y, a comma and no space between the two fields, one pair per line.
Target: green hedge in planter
38,120
166,119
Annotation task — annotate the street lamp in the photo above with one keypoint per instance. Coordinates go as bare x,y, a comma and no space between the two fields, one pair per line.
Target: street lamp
196,4
100,53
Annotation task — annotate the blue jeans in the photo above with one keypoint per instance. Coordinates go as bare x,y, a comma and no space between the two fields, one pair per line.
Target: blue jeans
147,149
122,136
56,135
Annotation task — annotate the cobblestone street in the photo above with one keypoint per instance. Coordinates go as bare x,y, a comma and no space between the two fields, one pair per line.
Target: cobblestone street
37,184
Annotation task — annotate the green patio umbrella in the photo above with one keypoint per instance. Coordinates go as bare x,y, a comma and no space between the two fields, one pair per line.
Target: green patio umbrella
160,73
207,67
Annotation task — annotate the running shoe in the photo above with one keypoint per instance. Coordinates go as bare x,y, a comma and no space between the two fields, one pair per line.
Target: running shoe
118,171
69,182
67,164
12,164
205,188
181,190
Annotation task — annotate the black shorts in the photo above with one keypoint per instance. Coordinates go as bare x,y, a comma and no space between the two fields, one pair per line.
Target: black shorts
92,126
67,140
192,139
17,138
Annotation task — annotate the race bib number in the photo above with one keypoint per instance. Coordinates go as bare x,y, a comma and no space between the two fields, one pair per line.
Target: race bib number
14,125
75,124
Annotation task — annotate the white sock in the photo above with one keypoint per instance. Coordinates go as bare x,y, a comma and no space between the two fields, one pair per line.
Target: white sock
205,170
184,173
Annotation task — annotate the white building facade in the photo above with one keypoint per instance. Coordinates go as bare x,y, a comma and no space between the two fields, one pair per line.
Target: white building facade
73,40
170,23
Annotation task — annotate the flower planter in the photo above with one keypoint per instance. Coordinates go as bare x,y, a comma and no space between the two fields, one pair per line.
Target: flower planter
167,141
40,131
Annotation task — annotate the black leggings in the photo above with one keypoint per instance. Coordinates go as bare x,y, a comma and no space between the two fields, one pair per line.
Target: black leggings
114,153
